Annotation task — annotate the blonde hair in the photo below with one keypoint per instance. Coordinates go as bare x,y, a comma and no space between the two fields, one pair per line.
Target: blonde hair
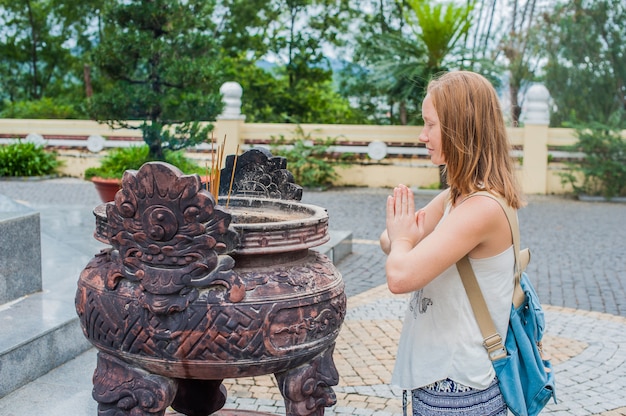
473,136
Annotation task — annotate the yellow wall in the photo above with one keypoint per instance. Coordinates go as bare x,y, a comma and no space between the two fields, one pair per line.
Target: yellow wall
537,175
377,176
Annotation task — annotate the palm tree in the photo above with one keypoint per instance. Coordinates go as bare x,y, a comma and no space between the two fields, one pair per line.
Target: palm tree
403,61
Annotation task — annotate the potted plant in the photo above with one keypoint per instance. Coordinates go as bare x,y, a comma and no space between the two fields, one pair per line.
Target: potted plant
107,177
155,70
309,158
601,172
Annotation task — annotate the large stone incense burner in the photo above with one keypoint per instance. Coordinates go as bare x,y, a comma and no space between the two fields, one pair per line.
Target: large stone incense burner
192,292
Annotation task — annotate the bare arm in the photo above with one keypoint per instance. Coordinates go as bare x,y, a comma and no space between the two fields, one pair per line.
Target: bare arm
477,226
433,212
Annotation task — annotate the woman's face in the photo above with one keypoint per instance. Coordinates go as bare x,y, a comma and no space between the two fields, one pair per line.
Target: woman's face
431,133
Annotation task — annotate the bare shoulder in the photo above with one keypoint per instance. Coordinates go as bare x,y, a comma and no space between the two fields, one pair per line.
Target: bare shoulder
481,212
483,203
484,216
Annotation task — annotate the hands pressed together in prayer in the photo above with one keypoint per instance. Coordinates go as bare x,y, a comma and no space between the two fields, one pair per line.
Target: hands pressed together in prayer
404,225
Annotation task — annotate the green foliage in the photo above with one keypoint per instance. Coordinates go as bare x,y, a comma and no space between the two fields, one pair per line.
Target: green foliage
604,165
245,27
440,27
46,108
27,159
301,30
308,159
41,45
365,80
299,87
585,47
118,160
368,107
398,71
518,45
158,64
268,99
402,55
312,103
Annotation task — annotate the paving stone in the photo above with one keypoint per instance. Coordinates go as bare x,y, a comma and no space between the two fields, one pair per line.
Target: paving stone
578,267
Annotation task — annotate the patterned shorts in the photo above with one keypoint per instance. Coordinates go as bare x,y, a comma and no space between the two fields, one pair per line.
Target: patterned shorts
446,397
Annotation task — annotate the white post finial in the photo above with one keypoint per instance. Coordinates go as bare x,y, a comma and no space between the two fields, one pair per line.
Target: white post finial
232,93
537,108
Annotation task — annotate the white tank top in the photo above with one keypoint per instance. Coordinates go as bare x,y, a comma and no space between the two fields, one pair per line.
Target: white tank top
440,337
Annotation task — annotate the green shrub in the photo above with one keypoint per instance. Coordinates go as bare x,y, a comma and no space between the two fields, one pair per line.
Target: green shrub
27,159
118,160
308,159
603,166
46,108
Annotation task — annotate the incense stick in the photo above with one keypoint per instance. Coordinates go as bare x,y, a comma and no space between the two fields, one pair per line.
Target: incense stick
213,164
216,170
207,177
232,176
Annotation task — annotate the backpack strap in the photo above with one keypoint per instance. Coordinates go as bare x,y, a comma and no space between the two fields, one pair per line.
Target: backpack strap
492,340
522,257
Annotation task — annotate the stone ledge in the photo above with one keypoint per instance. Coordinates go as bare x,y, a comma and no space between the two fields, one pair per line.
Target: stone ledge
338,247
20,257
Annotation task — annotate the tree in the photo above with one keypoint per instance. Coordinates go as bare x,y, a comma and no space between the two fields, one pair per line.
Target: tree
161,63
398,70
585,46
241,31
516,45
440,27
302,30
503,40
41,44
276,50
403,59
386,77
243,27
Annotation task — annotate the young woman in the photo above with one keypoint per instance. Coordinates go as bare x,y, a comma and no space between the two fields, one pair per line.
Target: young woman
441,359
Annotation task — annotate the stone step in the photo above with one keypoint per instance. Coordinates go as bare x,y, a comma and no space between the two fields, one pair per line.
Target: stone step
40,331
20,257
37,318
338,247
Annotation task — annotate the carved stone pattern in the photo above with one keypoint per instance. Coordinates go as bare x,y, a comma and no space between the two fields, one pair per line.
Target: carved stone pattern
281,238
122,390
169,237
307,389
211,328
219,333
259,174
317,322
315,272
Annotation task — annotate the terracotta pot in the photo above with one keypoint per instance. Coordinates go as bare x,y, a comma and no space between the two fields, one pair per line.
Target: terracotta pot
107,188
